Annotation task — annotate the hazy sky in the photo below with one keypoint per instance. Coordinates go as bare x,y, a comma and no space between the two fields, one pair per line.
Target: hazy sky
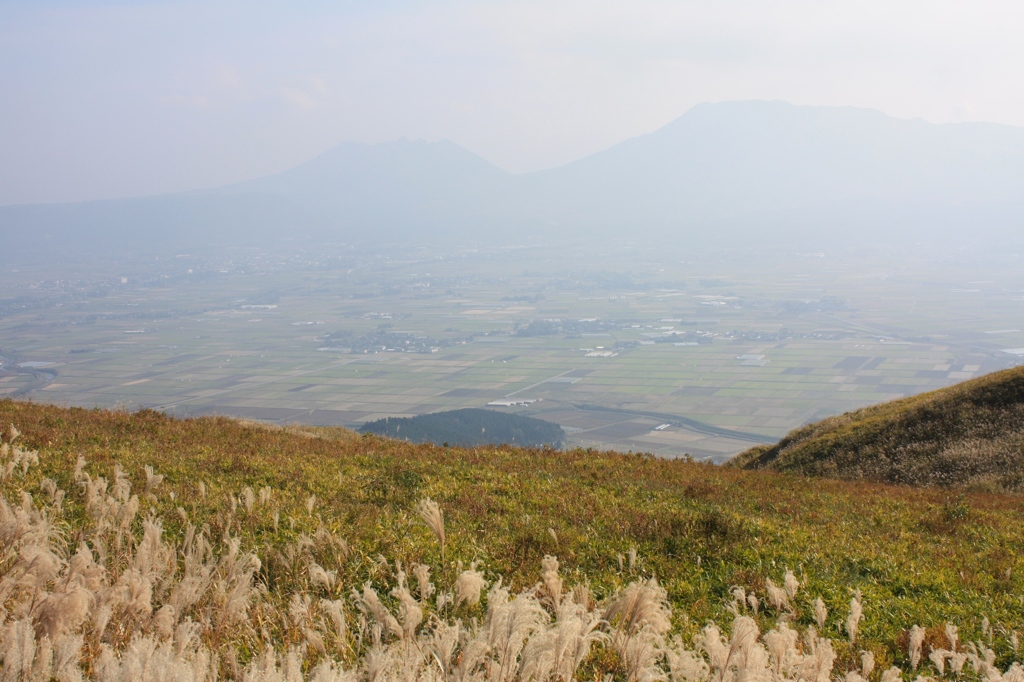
108,99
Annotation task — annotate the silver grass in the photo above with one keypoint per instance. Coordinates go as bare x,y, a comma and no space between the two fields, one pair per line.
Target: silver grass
433,516
335,611
248,499
639,655
640,605
739,599
783,654
952,635
557,652
58,613
509,625
938,659
79,468
716,648
153,480
853,619
468,587
914,646
441,645
409,610
685,665
164,620
18,650
426,588
820,613
745,653
320,577
329,671
817,666
867,663
121,488
369,603
552,582
791,584
581,596
754,602
893,674
777,596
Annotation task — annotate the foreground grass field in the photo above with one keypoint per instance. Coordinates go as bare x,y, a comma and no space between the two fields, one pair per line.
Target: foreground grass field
279,530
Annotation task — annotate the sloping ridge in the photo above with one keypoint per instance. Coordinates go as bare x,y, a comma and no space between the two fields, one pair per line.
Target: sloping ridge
970,434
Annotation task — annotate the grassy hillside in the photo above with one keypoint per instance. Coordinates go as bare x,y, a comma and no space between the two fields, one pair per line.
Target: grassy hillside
971,434
278,534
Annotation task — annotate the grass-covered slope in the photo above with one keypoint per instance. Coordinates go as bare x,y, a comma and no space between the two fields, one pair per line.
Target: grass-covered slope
243,538
970,434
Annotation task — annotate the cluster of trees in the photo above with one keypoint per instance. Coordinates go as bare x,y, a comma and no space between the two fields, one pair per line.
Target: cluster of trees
470,427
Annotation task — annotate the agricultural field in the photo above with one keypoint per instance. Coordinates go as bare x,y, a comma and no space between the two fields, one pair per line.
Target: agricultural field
626,348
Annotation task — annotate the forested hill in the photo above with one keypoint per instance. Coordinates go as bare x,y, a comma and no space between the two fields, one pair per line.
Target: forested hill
470,427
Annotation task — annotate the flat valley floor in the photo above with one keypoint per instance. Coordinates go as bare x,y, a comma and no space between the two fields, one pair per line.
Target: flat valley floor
627,348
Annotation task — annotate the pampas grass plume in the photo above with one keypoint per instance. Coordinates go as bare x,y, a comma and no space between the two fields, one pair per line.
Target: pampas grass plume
432,515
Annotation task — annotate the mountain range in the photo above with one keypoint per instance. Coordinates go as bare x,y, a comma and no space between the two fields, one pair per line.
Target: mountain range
755,171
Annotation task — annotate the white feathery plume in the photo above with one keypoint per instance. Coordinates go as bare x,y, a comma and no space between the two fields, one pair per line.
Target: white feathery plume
426,588
248,499
739,598
433,516
409,610
783,655
914,646
552,582
152,480
777,596
893,674
320,577
369,603
853,620
952,635
468,586
867,663
335,611
820,613
791,584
